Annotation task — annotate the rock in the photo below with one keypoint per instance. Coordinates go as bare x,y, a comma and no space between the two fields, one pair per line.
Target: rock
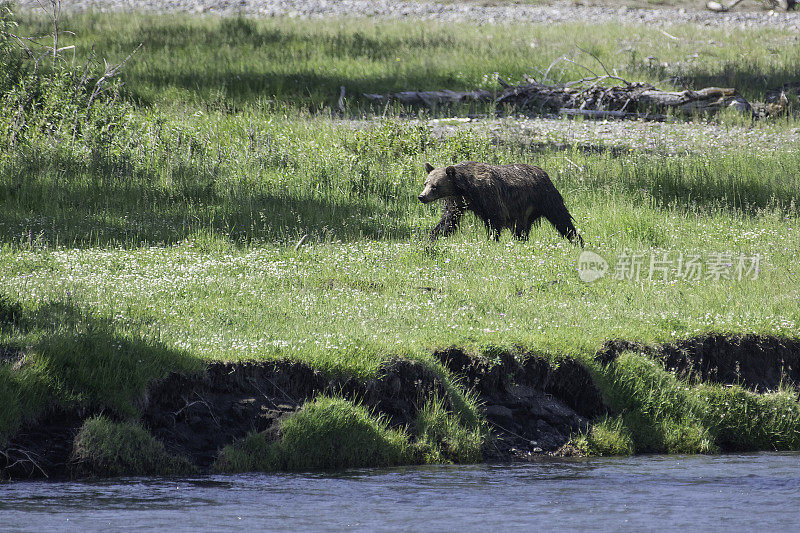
499,411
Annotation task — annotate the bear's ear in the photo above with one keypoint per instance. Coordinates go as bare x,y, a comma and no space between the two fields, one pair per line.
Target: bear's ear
428,168
451,172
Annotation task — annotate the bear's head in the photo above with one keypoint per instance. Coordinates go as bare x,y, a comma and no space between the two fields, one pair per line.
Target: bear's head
440,183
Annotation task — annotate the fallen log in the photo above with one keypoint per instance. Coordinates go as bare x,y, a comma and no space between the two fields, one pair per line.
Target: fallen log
432,98
622,101
710,99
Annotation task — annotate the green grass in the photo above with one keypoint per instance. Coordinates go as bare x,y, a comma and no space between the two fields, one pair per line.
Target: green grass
75,358
215,272
444,438
606,437
655,412
327,433
229,62
104,448
169,240
333,433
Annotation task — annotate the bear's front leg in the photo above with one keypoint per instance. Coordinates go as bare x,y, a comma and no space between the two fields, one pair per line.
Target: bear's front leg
493,229
453,210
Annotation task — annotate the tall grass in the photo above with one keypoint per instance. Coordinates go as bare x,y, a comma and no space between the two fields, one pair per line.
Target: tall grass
272,176
655,412
226,63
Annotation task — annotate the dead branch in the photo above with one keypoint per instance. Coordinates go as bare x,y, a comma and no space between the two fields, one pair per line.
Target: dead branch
503,82
608,74
26,458
340,104
668,35
547,72
110,72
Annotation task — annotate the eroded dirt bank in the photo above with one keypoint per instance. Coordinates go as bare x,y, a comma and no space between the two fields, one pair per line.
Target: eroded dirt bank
531,406
754,362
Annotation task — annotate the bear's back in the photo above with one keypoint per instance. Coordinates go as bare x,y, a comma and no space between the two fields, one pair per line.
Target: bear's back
515,176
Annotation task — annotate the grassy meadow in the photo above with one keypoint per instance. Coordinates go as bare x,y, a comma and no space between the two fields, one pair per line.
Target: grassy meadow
162,232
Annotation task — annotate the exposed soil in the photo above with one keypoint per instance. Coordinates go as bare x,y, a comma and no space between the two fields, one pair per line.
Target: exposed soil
41,450
532,406
755,362
198,415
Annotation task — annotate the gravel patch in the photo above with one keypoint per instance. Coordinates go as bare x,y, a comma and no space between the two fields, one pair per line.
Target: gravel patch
441,12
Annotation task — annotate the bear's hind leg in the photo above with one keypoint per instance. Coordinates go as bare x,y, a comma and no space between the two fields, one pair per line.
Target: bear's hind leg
523,229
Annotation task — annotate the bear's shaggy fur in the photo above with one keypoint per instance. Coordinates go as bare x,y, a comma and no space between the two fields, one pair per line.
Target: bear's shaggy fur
507,196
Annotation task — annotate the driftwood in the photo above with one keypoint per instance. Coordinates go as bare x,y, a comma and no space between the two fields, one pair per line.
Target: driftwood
432,98
623,101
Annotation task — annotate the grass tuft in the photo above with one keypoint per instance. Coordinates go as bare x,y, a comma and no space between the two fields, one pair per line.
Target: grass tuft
662,413
606,437
327,433
104,448
442,438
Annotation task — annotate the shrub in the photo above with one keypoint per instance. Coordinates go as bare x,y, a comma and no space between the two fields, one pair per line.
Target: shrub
56,101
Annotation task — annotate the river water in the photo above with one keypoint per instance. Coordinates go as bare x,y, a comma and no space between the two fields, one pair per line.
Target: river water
725,492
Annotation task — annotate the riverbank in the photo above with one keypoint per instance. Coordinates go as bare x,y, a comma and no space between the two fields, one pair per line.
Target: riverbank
235,417
218,266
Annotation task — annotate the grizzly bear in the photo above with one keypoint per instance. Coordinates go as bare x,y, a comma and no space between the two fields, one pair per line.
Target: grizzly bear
507,196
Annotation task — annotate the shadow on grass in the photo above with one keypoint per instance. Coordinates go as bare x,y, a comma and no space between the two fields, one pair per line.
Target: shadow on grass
228,88
60,200
233,61
65,357
244,61
741,184
752,81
